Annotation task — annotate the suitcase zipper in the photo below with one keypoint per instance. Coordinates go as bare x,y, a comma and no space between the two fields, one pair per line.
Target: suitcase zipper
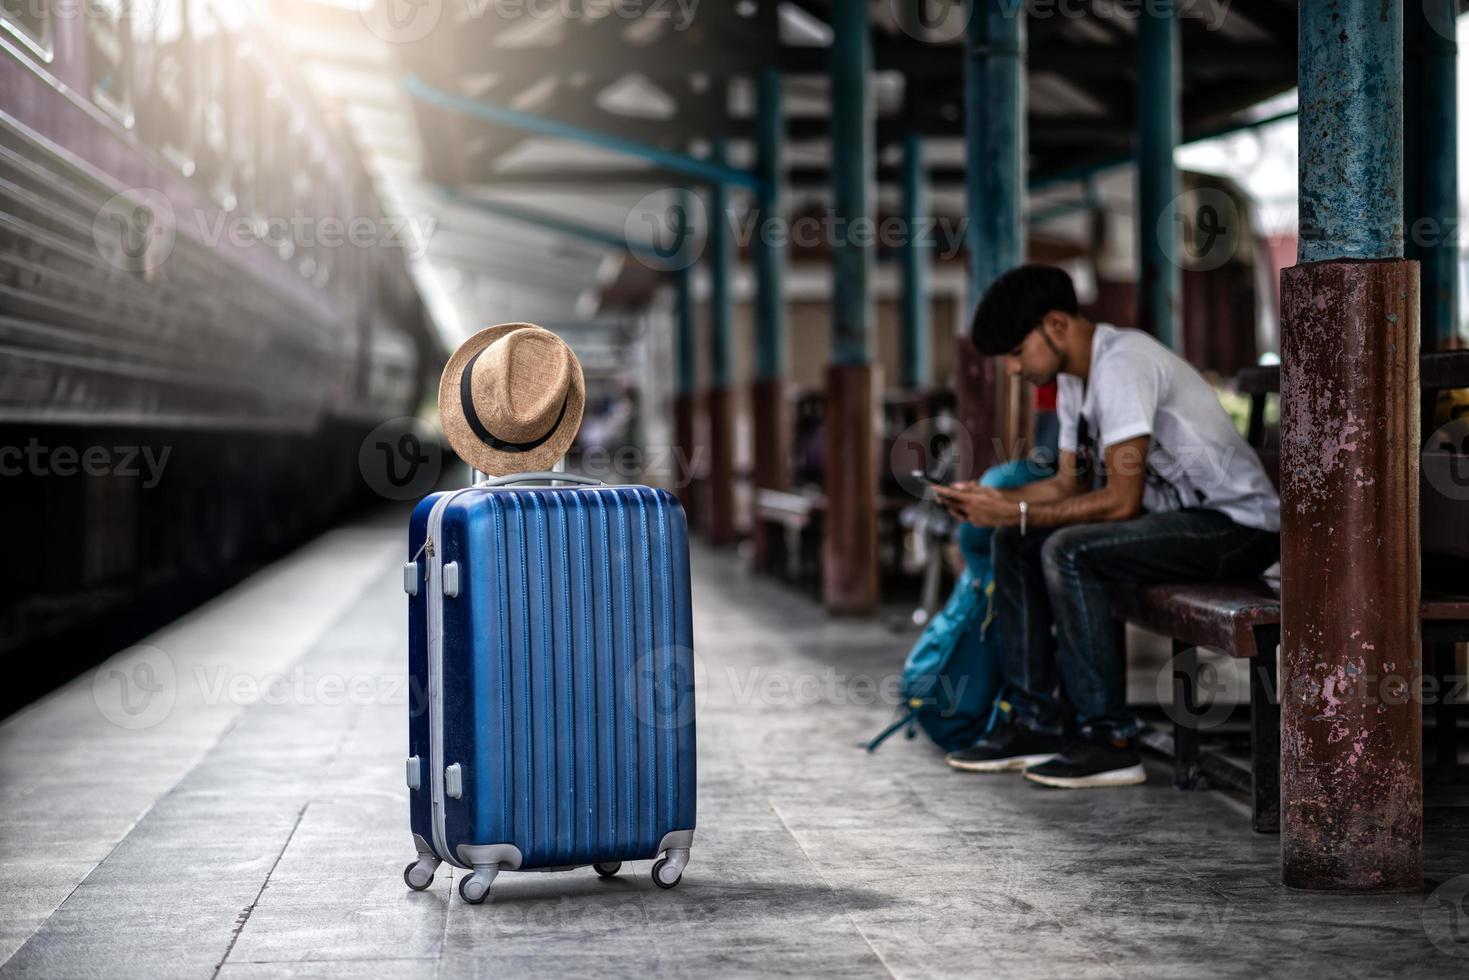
435,622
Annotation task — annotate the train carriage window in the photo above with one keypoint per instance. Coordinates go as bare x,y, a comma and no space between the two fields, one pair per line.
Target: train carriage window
163,77
109,56
30,21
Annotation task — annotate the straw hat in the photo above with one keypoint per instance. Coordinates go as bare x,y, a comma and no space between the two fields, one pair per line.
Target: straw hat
511,399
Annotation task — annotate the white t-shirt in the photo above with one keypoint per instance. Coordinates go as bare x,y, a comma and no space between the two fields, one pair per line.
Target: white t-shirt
1197,458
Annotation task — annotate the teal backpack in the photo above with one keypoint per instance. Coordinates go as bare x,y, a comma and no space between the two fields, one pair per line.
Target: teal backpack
951,680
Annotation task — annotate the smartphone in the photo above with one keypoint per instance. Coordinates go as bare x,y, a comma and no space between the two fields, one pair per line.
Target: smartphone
922,475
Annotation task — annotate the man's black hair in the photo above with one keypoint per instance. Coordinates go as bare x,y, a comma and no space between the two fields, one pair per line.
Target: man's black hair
1015,304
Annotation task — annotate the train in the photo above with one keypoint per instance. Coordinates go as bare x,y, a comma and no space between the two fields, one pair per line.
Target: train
204,309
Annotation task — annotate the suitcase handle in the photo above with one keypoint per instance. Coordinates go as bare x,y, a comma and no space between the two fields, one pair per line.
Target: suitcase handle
514,478
511,480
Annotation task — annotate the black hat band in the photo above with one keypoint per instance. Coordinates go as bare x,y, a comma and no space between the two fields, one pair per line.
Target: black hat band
466,402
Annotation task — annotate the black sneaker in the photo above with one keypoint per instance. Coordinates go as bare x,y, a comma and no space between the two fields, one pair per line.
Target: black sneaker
1085,764
1009,749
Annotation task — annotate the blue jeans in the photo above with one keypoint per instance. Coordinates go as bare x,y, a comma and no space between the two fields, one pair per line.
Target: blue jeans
1059,576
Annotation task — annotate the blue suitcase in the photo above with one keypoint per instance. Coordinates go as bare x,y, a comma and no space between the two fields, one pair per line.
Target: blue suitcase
551,720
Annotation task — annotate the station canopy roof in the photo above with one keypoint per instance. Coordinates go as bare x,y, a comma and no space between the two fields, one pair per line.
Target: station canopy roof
671,75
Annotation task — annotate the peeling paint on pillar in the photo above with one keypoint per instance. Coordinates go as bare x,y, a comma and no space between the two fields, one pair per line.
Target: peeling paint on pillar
1350,759
1351,129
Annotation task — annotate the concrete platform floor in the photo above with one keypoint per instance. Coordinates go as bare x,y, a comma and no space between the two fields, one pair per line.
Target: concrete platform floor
229,803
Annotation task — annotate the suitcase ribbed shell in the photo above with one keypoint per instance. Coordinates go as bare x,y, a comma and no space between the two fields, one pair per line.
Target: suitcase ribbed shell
567,673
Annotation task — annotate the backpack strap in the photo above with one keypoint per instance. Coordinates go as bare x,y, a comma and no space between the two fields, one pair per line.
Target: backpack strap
989,604
1001,707
908,719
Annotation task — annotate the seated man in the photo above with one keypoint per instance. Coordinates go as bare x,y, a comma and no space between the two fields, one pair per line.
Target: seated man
1184,499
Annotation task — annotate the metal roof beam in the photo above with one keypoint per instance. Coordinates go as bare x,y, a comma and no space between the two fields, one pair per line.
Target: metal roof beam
543,126
914,59
819,178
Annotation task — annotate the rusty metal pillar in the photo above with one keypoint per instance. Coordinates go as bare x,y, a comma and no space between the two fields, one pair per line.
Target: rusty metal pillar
768,414
718,521
1351,776
849,581
994,135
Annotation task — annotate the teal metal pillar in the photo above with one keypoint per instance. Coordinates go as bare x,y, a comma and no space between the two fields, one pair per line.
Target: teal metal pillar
994,136
685,374
1351,766
853,136
1159,90
719,398
721,258
768,415
686,350
1431,162
853,384
916,332
769,244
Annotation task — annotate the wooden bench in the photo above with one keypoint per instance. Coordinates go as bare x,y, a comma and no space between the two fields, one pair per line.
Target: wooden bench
1242,619
794,526
790,550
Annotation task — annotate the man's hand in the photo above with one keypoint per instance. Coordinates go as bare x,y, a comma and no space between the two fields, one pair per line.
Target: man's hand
982,506
1059,500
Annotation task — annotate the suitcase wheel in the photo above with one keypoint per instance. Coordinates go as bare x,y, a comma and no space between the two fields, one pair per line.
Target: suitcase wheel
664,876
475,888
609,869
419,874
668,869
